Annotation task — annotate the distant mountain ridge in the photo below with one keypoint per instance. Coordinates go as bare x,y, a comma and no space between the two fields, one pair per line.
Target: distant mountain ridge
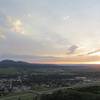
21,64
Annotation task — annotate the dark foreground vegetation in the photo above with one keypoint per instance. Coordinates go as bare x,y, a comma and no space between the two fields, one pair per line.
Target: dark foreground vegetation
86,93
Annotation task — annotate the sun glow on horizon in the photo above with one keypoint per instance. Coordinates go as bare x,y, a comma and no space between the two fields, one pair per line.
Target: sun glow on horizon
96,53
70,63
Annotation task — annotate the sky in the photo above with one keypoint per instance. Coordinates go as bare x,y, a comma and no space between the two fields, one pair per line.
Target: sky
50,31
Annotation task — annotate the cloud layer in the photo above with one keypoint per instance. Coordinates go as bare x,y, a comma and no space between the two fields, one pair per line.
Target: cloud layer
48,30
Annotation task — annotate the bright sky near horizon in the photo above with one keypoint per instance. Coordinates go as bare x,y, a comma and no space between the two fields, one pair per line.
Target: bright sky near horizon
50,31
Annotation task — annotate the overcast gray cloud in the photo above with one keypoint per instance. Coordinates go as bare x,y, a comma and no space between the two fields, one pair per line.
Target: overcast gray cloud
72,49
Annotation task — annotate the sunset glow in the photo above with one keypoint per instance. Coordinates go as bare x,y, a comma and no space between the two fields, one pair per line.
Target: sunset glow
50,31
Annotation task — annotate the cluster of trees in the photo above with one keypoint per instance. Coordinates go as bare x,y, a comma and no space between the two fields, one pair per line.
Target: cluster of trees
71,94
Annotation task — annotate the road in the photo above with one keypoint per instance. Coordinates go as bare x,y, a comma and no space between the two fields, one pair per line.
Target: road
81,85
